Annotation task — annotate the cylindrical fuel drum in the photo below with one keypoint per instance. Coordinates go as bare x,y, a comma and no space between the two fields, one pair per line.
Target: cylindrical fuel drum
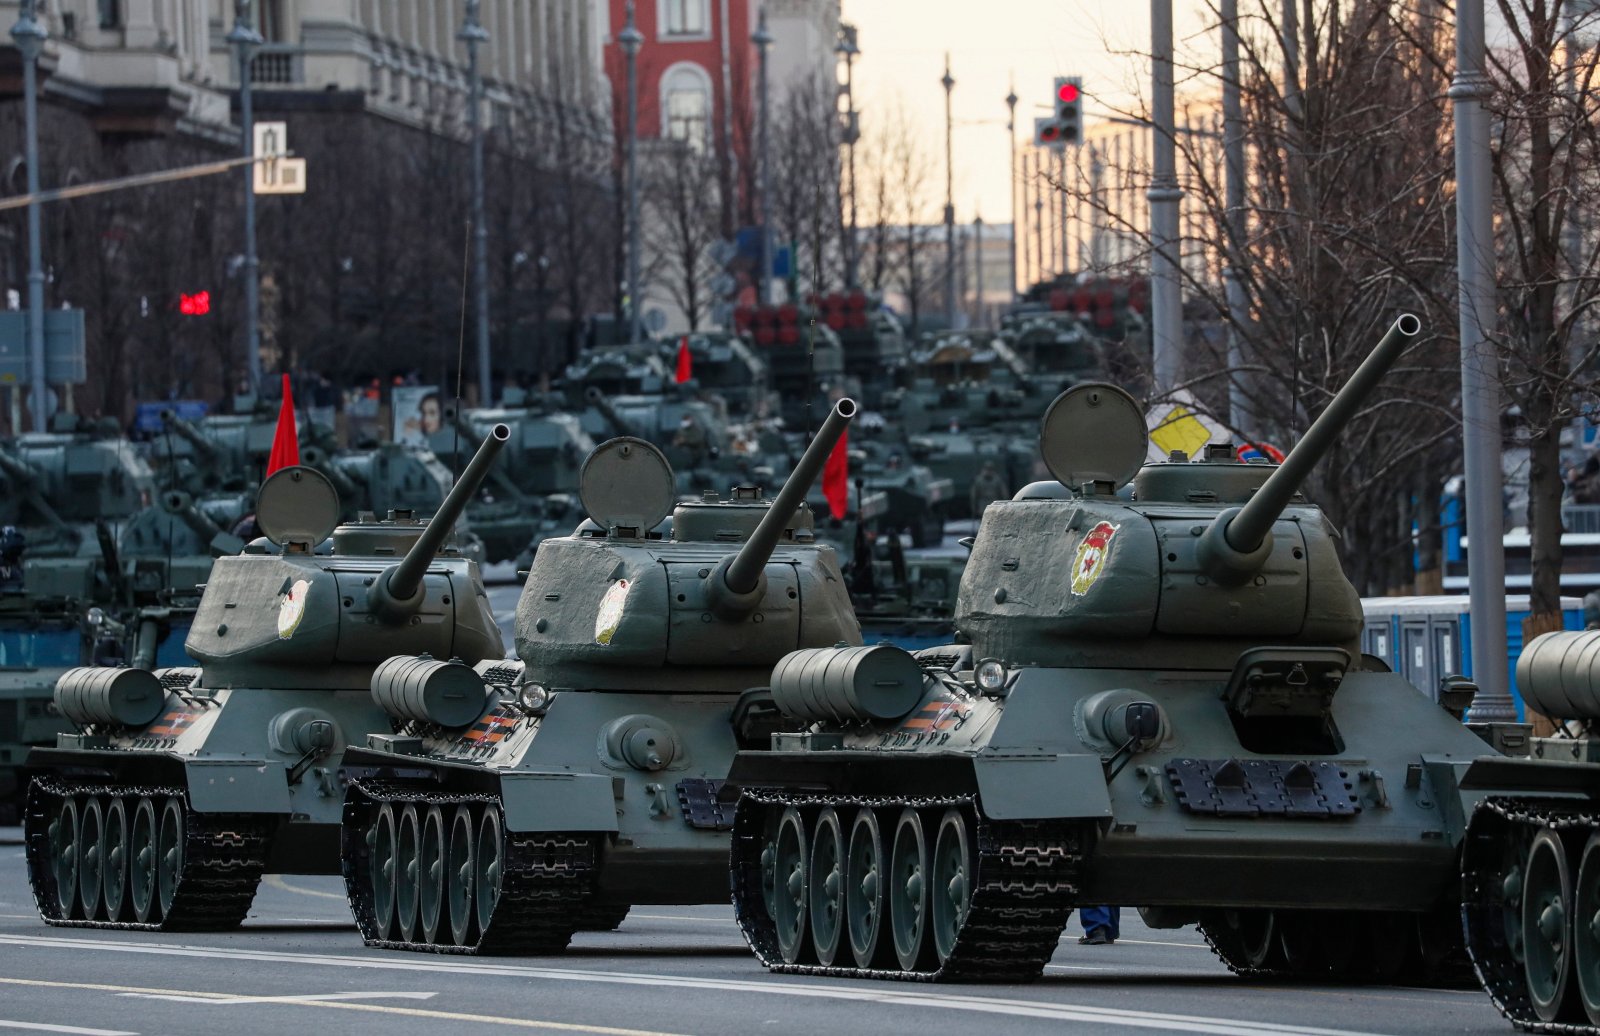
847,683
448,694
1558,674
93,695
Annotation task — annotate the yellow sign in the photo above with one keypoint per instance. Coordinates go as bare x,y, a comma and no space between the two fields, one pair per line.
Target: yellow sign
1180,429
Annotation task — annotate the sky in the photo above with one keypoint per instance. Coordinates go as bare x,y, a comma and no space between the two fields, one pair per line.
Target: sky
992,42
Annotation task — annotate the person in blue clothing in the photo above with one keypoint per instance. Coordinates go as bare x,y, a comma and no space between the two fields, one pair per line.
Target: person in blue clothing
1102,926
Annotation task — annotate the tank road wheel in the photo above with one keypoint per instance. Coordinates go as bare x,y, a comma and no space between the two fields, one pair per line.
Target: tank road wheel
91,856
1586,928
169,853
863,890
908,891
430,875
827,881
789,915
769,865
951,893
461,867
1546,928
64,849
1246,940
114,858
490,856
408,836
383,842
142,853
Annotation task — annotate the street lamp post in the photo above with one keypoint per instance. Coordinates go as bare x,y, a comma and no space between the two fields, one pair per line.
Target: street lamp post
1480,389
949,201
763,41
977,272
631,39
473,35
244,37
1233,163
848,48
1164,194
29,36
1011,142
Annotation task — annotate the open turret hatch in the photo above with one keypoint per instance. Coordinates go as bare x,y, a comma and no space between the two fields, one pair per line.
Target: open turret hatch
297,505
627,484
1093,432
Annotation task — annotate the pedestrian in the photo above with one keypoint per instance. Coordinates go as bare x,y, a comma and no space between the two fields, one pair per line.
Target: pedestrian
1102,926
988,487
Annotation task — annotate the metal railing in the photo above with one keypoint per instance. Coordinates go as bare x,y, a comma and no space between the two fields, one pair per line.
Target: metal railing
277,64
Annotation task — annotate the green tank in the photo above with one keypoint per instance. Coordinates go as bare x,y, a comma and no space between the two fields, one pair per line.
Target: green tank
179,788
557,790
722,365
41,637
1158,702
1531,872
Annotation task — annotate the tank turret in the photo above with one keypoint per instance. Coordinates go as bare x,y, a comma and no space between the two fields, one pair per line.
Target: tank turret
205,450
644,655
619,425
209,771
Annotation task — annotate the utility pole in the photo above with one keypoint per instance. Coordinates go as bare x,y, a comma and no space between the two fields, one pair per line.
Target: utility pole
1480,387
763,41
852,250
1164,194
977,273
1234,224
1011,143
1038,219
244,37
631,39
29,36
473,34
949,201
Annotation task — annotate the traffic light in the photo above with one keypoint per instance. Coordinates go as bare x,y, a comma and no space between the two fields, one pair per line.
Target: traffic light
196,305
1069,108
1046,133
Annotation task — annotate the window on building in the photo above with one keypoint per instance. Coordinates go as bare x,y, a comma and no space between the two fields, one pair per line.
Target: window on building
270,21
110,14
686,102
683,18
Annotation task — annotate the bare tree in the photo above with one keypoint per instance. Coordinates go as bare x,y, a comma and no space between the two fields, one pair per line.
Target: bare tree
684,213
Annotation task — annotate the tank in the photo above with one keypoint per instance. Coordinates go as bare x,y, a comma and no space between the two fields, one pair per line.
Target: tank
1158,702
56,485
180,787
589,781
721,365
41,637
1531,872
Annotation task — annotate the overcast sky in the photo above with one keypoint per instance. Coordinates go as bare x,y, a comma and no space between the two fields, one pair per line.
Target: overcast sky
903,43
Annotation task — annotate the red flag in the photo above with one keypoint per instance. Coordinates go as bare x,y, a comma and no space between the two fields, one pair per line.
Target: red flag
685,361
286,440
836,477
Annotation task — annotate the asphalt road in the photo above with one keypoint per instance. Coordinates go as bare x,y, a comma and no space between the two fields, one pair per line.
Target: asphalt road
299,966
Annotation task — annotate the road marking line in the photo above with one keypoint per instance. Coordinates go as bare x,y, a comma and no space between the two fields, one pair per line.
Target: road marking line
277,882
311,1001
42,1027
914,997
230,1001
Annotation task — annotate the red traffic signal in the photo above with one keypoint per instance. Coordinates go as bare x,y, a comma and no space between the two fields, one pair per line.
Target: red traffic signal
196,305
1067,93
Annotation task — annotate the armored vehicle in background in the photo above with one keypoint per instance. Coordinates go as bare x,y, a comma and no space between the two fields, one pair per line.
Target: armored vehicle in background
55,486
722,365
617,370
181,787
223,453
518,802
872,340
1159,703
803,355
41,637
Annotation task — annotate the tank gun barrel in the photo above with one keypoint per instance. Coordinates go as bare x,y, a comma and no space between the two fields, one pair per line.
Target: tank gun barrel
189,433
1239,539
619,424
398,591
181,506
739,578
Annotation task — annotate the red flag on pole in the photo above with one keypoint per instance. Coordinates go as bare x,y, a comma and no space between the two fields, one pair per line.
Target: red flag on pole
685,361
836,477
286,440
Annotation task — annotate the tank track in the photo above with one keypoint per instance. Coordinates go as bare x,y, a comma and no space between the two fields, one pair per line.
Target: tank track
547,878
1024,892
1496,824
224,856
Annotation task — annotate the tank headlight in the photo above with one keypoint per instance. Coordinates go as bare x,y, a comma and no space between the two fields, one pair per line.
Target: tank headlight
991,676
534,698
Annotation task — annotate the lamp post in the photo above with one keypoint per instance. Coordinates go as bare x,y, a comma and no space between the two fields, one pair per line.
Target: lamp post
977,272
763,41
631,39
1163,195
29,36
1480,389
244,38
1233,163
949,84
848,48
1011,142
473,35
